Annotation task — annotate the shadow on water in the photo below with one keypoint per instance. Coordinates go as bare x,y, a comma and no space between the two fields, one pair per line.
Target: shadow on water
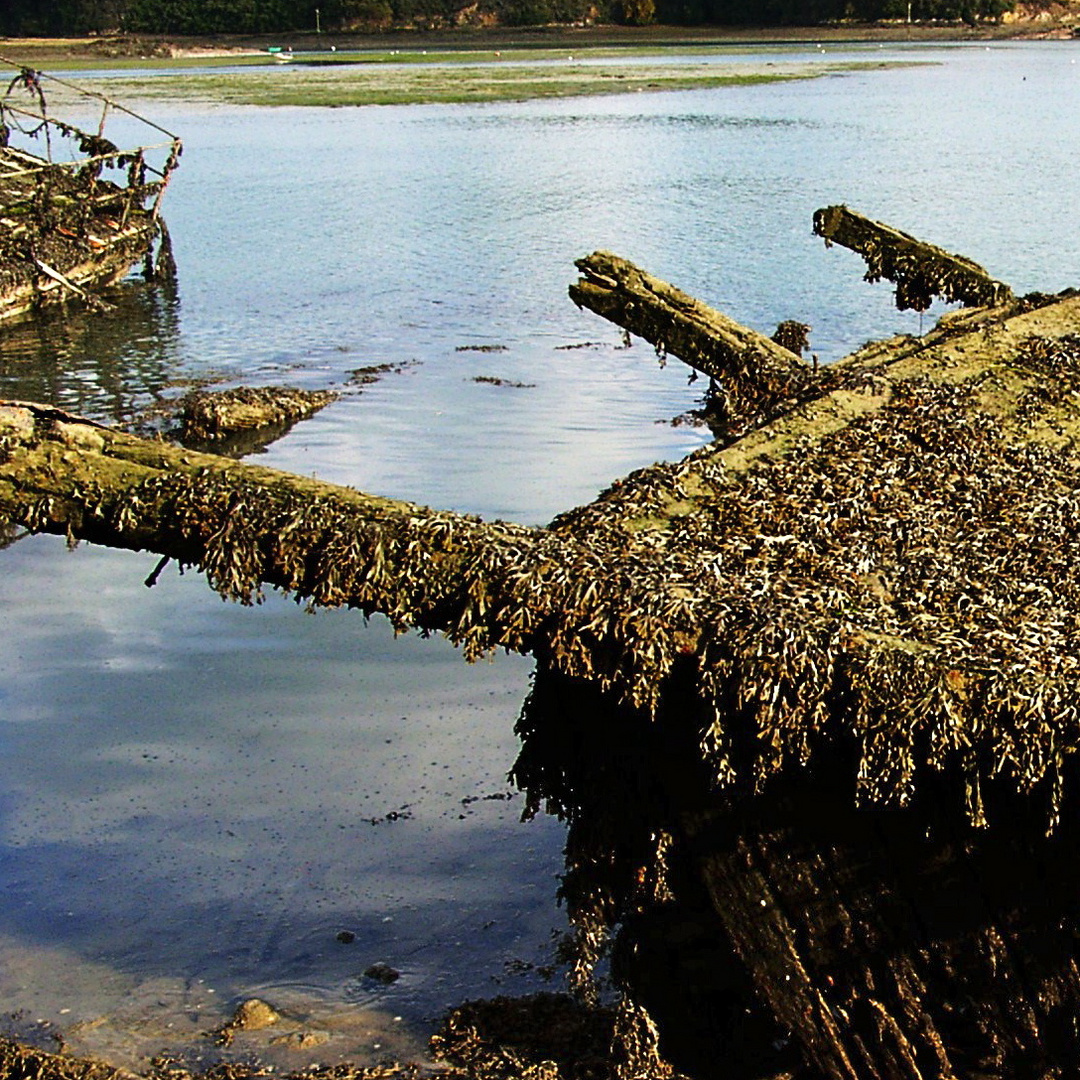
787,929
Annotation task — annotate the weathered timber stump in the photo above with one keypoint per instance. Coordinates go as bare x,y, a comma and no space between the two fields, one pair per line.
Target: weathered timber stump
211,416
902,944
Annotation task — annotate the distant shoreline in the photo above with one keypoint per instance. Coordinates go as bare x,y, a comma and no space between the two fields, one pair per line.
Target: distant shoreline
467,66
135,48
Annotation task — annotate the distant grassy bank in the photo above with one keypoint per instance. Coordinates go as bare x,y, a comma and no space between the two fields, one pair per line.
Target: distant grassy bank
455,67
468,80
424,69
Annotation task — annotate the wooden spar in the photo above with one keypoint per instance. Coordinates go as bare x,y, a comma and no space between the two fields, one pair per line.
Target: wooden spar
245,525
753,375
919,270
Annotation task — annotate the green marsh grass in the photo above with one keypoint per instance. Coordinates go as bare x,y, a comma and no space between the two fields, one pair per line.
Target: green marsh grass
450,79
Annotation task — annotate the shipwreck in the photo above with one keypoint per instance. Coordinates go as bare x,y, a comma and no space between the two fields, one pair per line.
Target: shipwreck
806,698
77,212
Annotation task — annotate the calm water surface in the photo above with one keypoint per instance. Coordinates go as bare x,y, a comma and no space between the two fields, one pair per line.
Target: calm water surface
195,798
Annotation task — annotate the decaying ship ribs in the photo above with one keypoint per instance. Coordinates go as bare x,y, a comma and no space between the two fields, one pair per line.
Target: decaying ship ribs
66,228
919,270
809,695
752,377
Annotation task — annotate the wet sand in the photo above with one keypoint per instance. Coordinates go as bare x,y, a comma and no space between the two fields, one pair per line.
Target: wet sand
132,1021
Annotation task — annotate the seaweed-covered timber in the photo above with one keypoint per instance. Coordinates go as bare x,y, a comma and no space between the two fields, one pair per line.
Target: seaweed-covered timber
919,270
66,229
807,698
213,416
752,375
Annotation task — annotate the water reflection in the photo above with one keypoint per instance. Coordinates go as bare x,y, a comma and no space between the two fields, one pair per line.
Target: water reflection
243,785
104,364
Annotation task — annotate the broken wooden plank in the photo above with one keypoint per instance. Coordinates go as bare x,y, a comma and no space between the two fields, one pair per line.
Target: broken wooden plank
753,375
919,270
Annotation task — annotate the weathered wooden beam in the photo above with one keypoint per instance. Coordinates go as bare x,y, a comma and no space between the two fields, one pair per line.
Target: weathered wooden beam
246,525
919,270
752,373
486,585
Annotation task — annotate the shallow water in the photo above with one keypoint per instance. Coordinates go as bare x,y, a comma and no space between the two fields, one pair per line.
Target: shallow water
197,797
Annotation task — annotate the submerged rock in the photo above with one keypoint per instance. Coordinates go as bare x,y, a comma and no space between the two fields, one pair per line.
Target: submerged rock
253,1015
382,973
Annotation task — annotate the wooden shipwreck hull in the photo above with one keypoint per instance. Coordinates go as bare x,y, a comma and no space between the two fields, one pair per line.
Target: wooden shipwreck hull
808,698
76,211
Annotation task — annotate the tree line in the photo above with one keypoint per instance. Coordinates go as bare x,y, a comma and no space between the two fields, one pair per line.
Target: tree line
177,17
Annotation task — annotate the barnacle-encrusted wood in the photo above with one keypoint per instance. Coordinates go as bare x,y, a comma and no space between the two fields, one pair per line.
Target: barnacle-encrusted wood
208,416
919,270
751,373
